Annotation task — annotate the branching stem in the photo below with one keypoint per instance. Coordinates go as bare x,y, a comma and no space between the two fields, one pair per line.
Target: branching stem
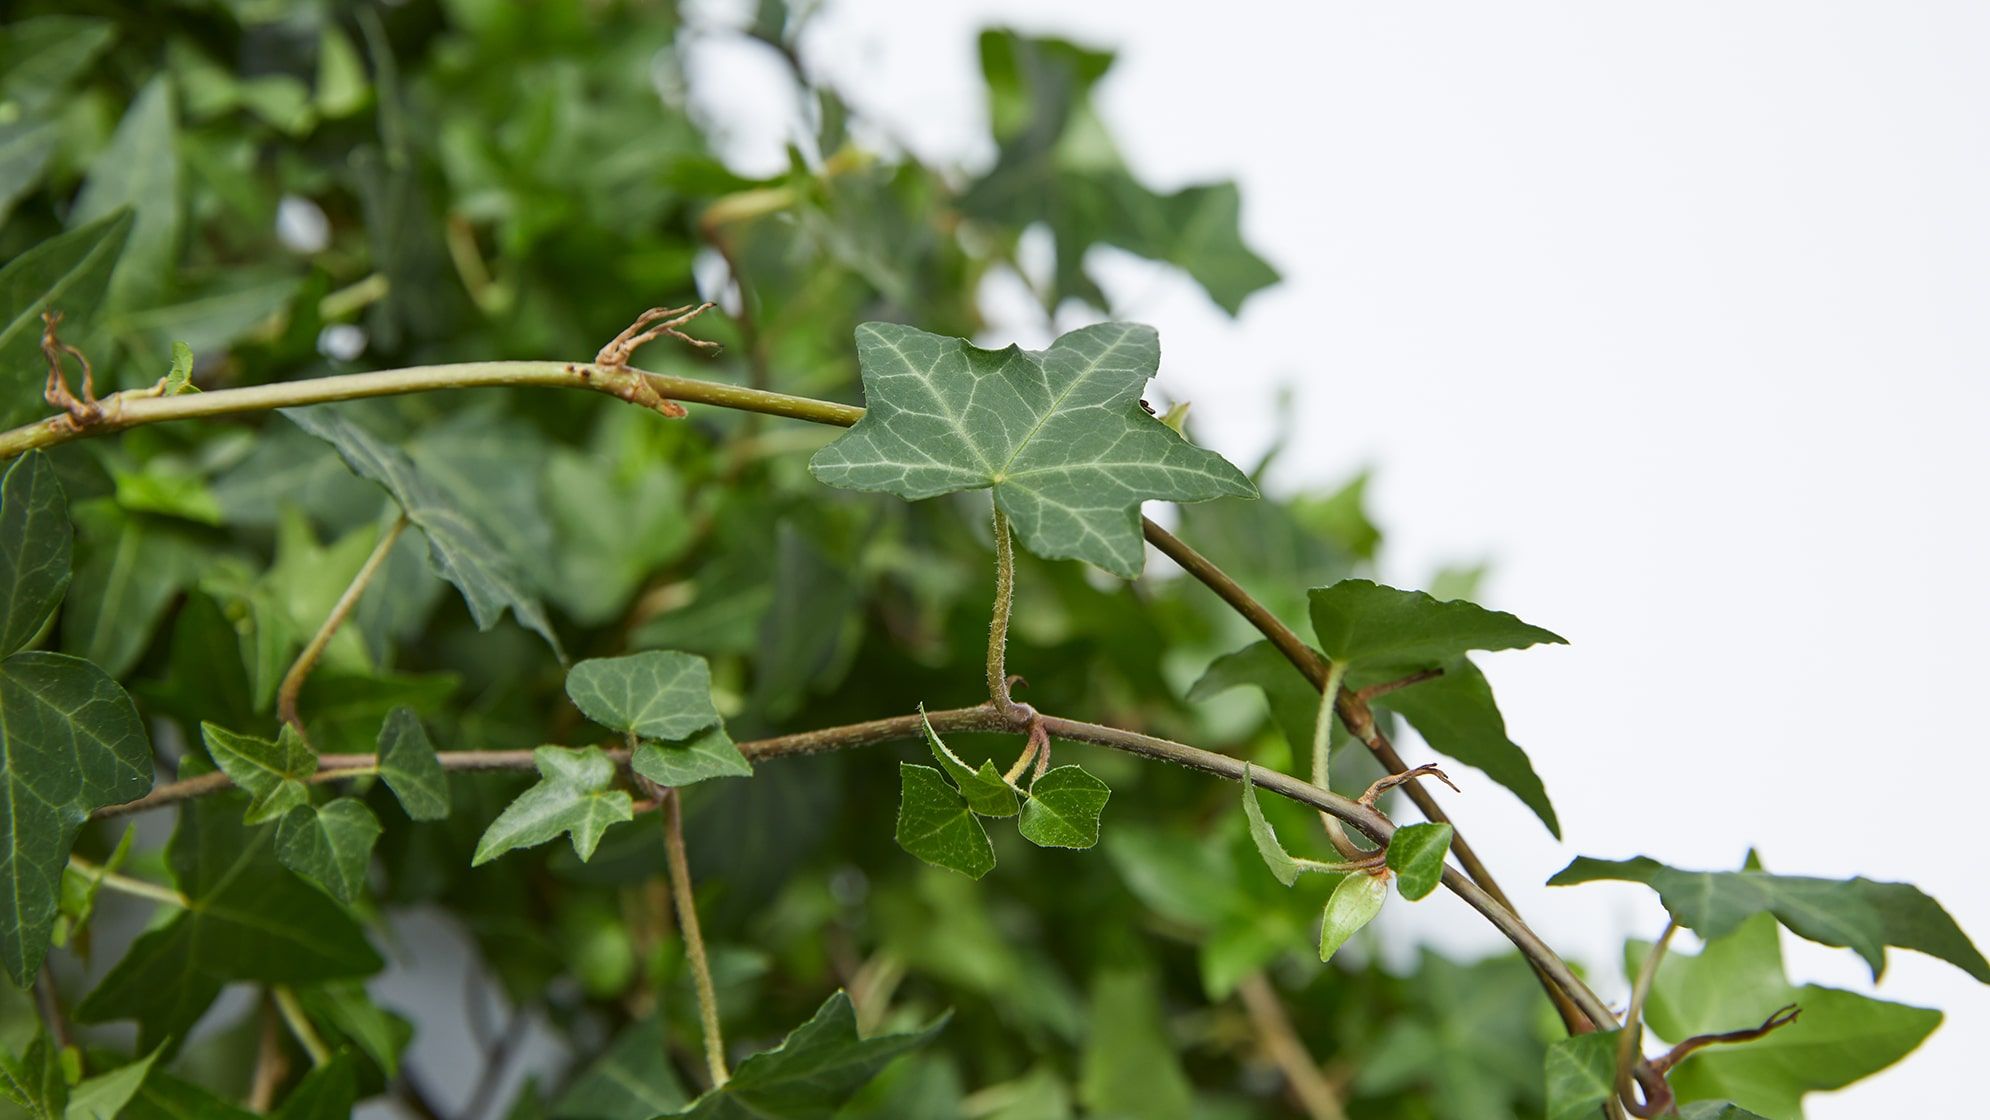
300,670
694,937
1657,1094
300,1025
125,884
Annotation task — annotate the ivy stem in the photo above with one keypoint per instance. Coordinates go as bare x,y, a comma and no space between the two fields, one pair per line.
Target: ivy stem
694,937
125,884
300,1025
998,619
1658,1095
1323,734
300,670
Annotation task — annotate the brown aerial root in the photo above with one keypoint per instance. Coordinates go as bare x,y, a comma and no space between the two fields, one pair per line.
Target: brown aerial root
83,411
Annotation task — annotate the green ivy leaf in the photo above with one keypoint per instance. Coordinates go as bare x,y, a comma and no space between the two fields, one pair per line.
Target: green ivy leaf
1456,714
70,742
818,1067
657,694
1131,1066
1063,809
179,379
165,1097
1416,855
326,1093
330,844
33,1080
935,823
34,548
985,790
1057,434
1354,904
1859,914
273,773
459,548
1283,867
68,273
1293,700
129,568
1361,622
631,1080
573,796
710,754
344,1006
1581,1074
139,170
105,1096
1717,1110
409,766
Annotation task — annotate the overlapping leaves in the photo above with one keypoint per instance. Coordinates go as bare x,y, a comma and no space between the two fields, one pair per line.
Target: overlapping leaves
940,811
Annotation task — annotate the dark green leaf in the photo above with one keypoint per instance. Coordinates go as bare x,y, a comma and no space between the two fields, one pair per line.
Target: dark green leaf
1131,1068
1354,904
326,1093
709,754
41,55
165,1097
66,273
70,741
1058,434
986,791
34,549
1063,809
33,1081
573,796
631,1080
345,1007
1362,622
1456,714
935,824
1416,855
1581,1074
129,568
139,170
330,845
658,694
409,766
273,773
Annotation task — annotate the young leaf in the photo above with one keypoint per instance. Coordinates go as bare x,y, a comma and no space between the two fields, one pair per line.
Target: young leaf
1058,434
1859,914
1063,809
70,741
104,1096
1354,904
329,844
573,796
68,272
409,766
710,754
1416,855
1359,622
34,548
657,694
179,379
986,791
273,773
1581,1073
1283,867
935,824
1456,714
818,1067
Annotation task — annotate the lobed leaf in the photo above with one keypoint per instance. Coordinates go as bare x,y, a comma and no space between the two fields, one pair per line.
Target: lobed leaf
1456,714
985,790
657,694
409,766
573,797
330,845
1063,809
273,773
935,823
1361,622
710,754
1581,1074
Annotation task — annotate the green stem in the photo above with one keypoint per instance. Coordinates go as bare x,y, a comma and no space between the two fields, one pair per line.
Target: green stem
300,1025
125,884
300,670
998,619
694,938
1323,734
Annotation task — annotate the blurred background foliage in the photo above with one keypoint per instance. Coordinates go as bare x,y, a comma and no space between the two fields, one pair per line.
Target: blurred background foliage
324,186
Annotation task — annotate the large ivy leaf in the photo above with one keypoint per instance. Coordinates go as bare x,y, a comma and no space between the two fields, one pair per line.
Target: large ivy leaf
1059,435
460,549
330,844
70,741
574,796
657,694
1360,622
936,824
247,918
1858,914
1736,982
165,1097
631,1080
34,548
68,273
811,1074
409,766
1063,809
273,772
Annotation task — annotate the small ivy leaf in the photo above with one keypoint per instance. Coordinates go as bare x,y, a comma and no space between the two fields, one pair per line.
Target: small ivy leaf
1063,809
708,755
986,791
329,844
1057,434
1858,914
935,824
273,773
1416,855
179,379
104,1096
1283,867
1581,1074
326,1093
409,766
35,543
1359,621
573,796
1354,903
657,694
812,1073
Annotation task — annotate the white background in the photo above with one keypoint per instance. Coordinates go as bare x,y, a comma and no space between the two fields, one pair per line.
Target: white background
1674,313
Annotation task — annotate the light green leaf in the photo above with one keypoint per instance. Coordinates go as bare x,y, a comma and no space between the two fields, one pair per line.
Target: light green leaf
326,1093
811,1074
459,548
573,796
1859,914
273,773
139,170
330,844
1131,1069
34,548
1063,809
1058,434
1362,622
986,791
1581,1074
1456,714
70,741
179,379
935,824
1283,867
67,273
634,522
1416,855
342,87
657,694
631,1080
104,1096
709,754
409,766
1354,904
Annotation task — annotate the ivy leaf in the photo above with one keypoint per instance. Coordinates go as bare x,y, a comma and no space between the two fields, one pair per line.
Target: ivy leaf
710,754
1131,1067
273,773
1360,622
129,568
326,1093
1859,914
1457,715
34,548
985,790
935,823
1283,867
179,379
657,694
818,1067
409,766
68,273
1416,855
1063,809
459,548
105,1096
165,1097
1581,1074
1737,982
330,844
139,170
1293,700
1354,904
1059,436
1717,1110
573,796
70,742
631,1080
34,1081
378,1033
